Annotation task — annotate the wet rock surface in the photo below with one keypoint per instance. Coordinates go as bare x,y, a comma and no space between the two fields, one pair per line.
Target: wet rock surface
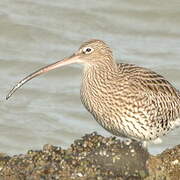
165,165
92,157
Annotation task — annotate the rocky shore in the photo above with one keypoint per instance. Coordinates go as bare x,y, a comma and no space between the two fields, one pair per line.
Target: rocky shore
92,157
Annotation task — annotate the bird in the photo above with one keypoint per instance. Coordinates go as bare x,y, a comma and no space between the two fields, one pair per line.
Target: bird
125,99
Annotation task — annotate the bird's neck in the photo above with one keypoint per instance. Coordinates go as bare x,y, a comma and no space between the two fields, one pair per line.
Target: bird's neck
100,72
96,80
107,67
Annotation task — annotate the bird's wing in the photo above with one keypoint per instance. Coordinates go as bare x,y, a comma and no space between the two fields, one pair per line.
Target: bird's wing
148,82
154,89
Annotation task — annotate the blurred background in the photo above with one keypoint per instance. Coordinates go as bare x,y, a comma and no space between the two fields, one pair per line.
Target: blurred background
36,33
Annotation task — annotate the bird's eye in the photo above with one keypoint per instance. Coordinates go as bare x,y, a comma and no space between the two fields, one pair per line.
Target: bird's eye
87,50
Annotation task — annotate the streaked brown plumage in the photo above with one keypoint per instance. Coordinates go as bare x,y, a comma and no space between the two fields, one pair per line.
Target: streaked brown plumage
125,99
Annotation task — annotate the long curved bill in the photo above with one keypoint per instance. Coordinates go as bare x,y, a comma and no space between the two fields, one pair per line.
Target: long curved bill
72,59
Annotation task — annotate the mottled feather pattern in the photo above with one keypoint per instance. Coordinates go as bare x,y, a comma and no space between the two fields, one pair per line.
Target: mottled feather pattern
134,102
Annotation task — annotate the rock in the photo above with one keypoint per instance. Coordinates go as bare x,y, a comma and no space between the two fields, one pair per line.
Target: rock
165,165
92,157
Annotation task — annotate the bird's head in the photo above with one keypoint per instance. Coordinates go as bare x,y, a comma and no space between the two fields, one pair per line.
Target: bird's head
90,53
93,52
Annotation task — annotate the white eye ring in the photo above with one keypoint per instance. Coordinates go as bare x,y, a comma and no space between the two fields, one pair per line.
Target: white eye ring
87,50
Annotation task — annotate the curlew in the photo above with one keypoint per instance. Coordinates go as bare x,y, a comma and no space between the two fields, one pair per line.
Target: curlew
125,99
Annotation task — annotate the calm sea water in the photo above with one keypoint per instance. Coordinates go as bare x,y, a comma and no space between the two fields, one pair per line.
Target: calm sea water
35,33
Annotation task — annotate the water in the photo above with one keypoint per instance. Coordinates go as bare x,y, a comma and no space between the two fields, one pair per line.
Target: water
36,33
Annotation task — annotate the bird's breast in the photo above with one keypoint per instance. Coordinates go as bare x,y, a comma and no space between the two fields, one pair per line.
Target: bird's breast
101,96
